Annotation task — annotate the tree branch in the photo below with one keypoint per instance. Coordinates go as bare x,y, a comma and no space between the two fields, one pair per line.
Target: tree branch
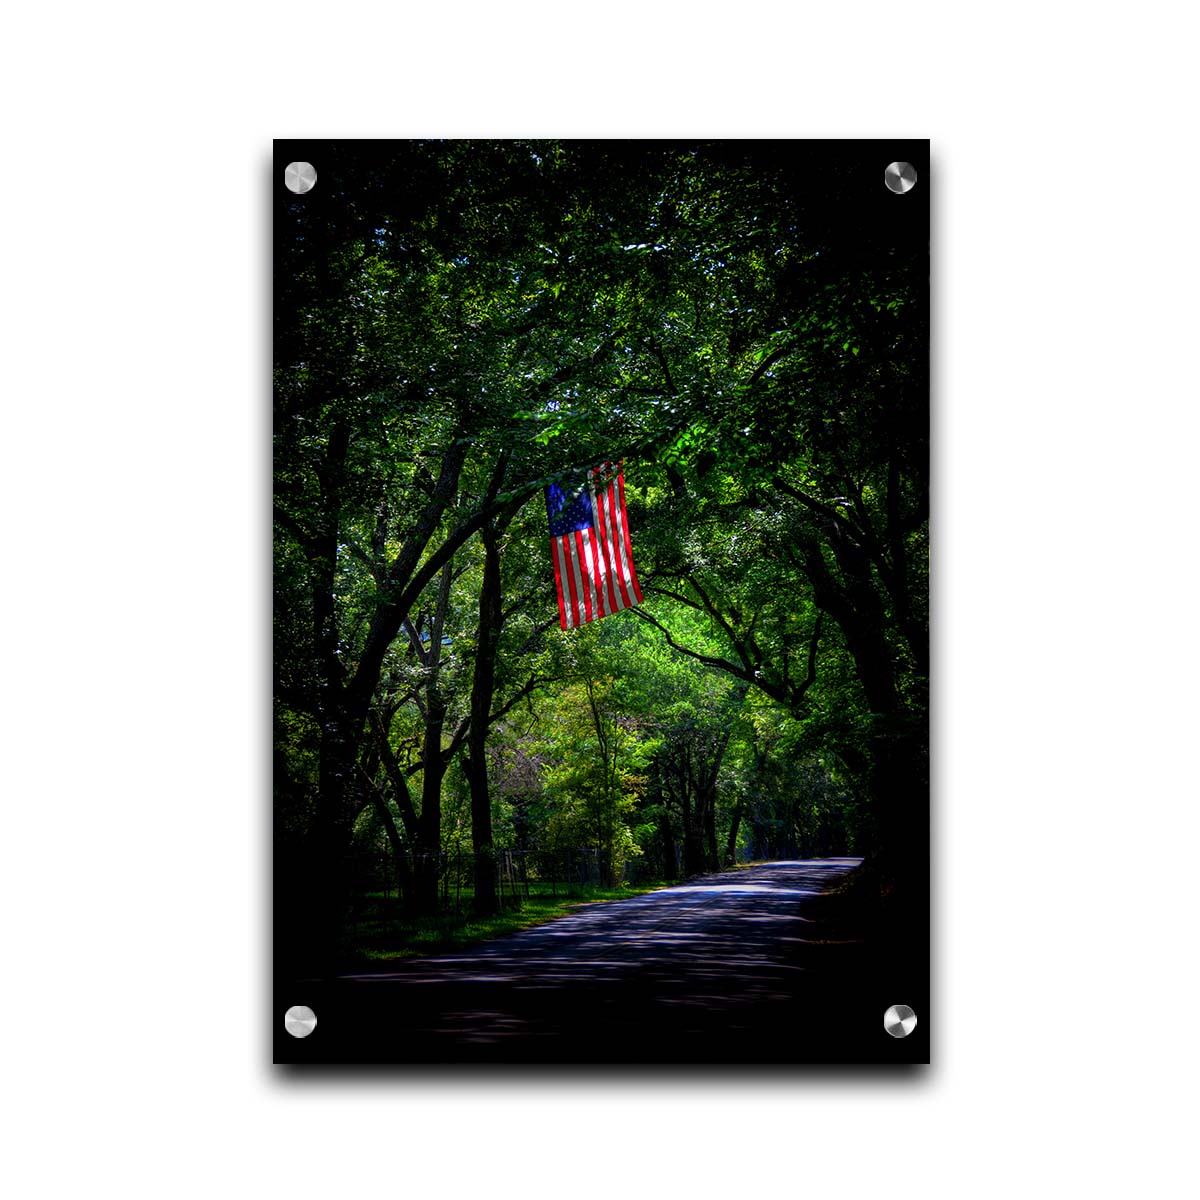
306,541
395,776
517,697
817,506
768,362
716,615
811,677
656,350
722,664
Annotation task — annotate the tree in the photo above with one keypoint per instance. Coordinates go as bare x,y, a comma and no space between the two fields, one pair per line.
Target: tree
458,324
421,332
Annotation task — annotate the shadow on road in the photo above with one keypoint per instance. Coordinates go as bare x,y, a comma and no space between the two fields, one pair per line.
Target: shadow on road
761,965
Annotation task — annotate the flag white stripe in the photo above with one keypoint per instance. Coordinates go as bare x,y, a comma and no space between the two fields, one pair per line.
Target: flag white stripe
626,541
610,537
618,516
601,544
587,570
561,551
594,568
580,611
603,609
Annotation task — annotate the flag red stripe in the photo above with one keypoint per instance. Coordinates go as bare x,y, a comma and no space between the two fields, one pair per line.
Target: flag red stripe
589,571
601,600
611,495
573,607
580,569
637,591
594,574
566,573
581,559
605,545
555,551
577,575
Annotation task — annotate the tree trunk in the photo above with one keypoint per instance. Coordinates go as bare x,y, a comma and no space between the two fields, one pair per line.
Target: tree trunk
483,686
689,814
693,851
670,864
732,840
404,880
604,815
317,894
710,832
427,872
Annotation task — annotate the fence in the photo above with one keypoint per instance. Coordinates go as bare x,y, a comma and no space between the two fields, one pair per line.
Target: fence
518,873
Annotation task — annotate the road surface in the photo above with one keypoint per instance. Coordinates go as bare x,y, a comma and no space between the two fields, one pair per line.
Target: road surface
753,966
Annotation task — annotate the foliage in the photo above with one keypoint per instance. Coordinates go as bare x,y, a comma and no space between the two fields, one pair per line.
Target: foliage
457,324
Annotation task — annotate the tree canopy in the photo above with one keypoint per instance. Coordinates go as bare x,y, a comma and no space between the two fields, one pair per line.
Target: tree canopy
460,324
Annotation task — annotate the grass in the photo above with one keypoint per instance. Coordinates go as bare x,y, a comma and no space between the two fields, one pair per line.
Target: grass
382,934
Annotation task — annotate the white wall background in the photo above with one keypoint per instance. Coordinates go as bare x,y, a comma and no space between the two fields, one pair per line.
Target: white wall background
133,862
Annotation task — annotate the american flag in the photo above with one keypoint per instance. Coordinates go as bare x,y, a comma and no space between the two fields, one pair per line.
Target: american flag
589,543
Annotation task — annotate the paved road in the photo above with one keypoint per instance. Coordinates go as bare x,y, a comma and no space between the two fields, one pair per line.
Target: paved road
752,966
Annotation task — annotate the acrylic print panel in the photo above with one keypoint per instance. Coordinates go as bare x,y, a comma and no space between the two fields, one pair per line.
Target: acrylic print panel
600,568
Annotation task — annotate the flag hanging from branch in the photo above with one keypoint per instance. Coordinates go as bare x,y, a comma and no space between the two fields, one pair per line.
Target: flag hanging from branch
589,543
